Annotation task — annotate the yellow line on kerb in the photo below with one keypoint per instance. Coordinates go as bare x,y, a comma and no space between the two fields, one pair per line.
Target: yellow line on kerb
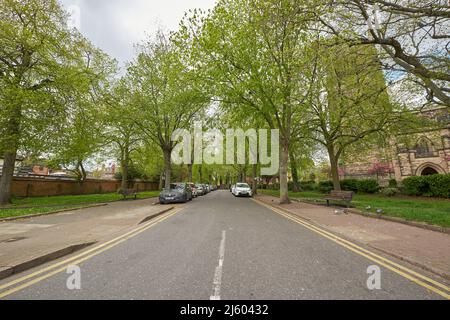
75,260
399,269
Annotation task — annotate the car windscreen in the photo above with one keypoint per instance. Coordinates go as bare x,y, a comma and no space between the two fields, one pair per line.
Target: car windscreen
242,185
176,186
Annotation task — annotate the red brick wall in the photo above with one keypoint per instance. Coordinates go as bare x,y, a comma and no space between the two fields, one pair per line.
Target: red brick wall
35,187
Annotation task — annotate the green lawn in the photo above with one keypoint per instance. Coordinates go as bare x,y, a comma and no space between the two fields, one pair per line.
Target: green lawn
89,198
38,205
432,211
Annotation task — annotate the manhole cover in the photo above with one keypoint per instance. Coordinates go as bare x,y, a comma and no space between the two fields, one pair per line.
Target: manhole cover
12,240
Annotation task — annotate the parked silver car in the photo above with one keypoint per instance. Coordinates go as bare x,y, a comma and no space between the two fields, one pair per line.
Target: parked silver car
178,192
200,189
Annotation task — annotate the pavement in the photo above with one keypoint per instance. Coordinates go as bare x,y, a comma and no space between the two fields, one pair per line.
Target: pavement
427,249
222,247
21,241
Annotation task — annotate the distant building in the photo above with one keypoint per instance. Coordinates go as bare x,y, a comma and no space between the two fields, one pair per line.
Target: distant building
429,153
107,172
17,167
426,153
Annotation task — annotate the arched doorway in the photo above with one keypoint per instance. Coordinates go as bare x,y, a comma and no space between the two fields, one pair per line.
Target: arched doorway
428,171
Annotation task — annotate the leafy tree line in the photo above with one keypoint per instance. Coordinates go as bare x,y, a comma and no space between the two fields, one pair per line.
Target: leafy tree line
277,60
49,78
316,70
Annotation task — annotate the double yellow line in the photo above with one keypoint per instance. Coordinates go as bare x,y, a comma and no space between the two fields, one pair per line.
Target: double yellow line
409,274
47,272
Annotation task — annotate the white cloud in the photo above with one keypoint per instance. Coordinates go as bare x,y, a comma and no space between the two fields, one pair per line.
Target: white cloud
116,25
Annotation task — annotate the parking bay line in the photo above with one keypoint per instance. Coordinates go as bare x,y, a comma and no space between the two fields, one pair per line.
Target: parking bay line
81,257
399,269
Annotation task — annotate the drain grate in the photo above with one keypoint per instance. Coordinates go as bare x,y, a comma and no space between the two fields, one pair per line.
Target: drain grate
12,240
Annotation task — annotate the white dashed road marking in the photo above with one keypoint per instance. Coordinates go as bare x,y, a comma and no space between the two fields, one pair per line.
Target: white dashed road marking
218,274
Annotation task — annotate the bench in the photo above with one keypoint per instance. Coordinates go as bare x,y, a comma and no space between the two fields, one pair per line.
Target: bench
128,192
346,196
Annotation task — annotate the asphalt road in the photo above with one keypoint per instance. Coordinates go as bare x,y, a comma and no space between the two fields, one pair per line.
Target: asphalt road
228,248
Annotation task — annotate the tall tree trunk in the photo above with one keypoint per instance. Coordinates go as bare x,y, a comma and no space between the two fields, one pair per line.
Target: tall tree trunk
200,173
11,134
254,182
124,168
284,161
83,171
7,177
334,162
190,168
161,181
167,167
191,165
294,171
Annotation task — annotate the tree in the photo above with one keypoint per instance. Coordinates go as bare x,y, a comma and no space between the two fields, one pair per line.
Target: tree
122,132
350,101
253,55
168,95
412,35
81,134
300,159
77,140
41,62
149,162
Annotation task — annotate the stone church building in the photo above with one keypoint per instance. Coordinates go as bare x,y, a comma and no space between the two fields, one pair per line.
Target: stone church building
422,153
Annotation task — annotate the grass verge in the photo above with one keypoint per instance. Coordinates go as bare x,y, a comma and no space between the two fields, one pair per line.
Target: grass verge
40,205
77,199
431,211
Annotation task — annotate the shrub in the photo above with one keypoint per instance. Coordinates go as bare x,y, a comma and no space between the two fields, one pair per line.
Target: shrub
415,186
325,186
393,183
368,186
349,185
308,185
390,192
275,186
437,185
291,185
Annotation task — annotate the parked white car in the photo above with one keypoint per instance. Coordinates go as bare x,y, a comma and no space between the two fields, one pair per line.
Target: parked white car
242,189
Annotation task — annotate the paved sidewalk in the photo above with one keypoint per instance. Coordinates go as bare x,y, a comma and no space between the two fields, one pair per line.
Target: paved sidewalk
425,248
24,240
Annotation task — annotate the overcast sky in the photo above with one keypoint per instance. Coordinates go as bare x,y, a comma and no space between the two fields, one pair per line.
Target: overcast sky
116,25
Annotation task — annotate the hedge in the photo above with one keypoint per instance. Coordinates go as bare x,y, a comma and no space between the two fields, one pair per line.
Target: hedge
361,186
437,185
393,183
349,185
325,186
368,186
308,185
